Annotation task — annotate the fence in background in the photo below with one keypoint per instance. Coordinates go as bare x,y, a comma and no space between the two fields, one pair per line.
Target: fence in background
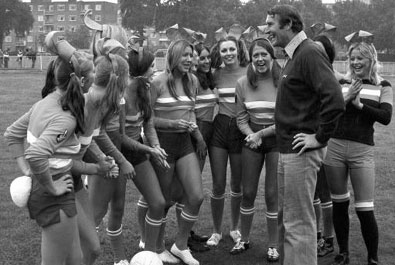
386,69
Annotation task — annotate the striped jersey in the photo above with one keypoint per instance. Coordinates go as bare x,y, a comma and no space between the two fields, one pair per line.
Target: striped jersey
357,124
49,131
255,105
225,82
167,107
206,100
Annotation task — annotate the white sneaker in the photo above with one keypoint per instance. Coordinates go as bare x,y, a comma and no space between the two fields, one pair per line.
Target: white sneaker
122,262
235,235
214,240
141,245
167,257
184,255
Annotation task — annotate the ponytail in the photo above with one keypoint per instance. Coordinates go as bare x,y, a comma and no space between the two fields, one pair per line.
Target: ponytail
143,99
50,85
74,101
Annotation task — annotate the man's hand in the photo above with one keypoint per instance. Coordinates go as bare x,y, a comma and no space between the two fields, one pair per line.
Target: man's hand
305,141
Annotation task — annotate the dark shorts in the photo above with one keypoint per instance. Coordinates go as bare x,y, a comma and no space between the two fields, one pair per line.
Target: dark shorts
206,129
226,134
269,144
134,157
176,145
44,208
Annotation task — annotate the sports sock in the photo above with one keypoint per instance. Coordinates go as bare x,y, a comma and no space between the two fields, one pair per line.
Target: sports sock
369,232
116,242
341,223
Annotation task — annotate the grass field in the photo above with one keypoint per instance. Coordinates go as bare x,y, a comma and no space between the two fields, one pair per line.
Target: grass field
20,236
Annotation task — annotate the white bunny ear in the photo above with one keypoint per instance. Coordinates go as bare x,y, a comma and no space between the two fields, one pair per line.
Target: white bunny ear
250,34
360,36
90,23
220,33
172,32
236,30
262,31
199,36
320,27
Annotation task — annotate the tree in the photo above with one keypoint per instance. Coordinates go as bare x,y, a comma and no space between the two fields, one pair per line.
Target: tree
79,38
14,15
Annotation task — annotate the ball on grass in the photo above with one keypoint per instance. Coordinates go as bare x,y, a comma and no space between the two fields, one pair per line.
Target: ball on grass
20,190
146,258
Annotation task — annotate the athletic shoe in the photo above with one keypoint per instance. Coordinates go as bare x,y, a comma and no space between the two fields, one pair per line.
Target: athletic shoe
341,259
324,248
272,255
214,240
184,255
167,257
240,247
195,246
372,262
235,235
141,245
122,262
198,238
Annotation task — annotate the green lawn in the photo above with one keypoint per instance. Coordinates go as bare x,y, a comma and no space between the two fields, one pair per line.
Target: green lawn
20,236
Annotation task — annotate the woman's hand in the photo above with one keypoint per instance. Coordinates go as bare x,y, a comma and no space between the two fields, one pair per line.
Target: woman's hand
107,167
253,140
181,124
201,149
159,155
353,90
127,170
357,102
63,185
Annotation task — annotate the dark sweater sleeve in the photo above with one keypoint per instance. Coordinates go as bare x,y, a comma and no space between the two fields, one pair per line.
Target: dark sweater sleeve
323,81
383,113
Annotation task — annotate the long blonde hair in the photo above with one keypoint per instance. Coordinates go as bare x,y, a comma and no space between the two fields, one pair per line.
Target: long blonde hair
173,58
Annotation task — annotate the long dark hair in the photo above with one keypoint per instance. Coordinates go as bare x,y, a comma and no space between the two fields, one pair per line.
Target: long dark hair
242,52
66,79
139,63
49,85
328,46
205,79
252,76
174,54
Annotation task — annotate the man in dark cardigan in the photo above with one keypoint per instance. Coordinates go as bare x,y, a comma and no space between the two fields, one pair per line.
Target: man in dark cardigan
309,102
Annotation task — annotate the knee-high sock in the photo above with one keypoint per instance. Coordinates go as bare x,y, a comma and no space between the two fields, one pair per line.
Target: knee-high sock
341,223
116,242
152,229
272,229
179,208
217,211
235,200
246,217
327,212
186,222
160,243
142,209
318,213
370,232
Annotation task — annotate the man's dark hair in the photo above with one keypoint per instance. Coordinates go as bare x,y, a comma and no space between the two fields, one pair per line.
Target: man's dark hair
287,14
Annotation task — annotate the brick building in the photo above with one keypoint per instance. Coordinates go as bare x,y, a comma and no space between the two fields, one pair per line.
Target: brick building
60,15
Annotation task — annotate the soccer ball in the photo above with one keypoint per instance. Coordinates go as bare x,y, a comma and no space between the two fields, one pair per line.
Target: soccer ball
146,258
20,190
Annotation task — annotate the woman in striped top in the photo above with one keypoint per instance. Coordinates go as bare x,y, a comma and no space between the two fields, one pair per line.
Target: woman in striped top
256,96
227,138
206,99
173,98
350,150
138,116
50,128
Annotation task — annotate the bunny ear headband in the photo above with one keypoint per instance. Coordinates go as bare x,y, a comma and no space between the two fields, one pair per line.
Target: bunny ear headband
320,27
104,31
360,36
235,31
176,32
252,33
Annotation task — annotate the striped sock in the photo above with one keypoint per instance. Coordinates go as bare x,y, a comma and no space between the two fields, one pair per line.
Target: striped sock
116,242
